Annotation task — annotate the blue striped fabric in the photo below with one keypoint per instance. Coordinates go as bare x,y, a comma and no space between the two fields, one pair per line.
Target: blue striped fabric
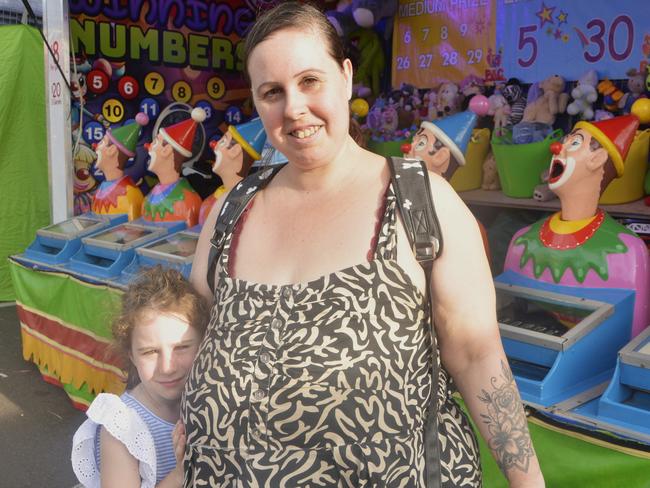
161,431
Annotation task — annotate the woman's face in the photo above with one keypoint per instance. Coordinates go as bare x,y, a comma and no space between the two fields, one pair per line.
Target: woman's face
301,95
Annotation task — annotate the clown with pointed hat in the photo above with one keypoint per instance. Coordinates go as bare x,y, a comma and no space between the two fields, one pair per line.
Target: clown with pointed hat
581,245
118,194
442,143
173,198
234,153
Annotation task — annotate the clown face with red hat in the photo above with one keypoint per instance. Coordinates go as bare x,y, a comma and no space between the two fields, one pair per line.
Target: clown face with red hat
587,160
173,198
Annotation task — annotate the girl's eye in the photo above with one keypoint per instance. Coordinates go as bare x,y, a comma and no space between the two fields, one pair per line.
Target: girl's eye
149,352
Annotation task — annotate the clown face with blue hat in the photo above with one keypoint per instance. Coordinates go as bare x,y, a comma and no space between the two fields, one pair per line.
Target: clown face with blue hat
442,144
234,153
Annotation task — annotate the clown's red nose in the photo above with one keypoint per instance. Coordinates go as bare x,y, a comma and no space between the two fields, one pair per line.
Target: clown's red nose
213,144
556,148
147,146
405,148
94,146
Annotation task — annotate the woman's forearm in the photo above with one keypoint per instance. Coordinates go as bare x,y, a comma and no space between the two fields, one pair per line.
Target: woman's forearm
491,395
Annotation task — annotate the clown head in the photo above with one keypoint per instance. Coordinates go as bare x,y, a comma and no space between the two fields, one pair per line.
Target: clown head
587,160
427,147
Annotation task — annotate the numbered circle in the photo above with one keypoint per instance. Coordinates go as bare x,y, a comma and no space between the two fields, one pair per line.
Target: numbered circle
216,88
154,83
93,132
150,107
182,91
113,110
128,87
207,107
234,115
97,81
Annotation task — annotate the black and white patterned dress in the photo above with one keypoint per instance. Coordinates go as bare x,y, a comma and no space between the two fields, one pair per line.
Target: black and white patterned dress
321,384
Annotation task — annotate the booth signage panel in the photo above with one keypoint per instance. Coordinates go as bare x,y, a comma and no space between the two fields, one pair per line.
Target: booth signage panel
541,38
442,40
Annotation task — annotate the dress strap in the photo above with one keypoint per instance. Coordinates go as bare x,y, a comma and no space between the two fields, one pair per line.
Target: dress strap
235,204
386,247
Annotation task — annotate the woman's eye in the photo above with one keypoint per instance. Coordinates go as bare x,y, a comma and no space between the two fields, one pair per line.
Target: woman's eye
271,93
310,81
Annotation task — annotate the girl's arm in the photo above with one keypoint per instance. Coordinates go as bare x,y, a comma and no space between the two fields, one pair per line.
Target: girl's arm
118,468
470,343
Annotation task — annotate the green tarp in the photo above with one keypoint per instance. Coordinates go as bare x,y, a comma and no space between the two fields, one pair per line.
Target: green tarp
24,188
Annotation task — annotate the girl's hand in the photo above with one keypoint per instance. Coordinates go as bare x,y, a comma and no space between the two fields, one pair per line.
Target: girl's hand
179,439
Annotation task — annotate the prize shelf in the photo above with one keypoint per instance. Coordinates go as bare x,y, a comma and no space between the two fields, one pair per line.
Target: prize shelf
498,199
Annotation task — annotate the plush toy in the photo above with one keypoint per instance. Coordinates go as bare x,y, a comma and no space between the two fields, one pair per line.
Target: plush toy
371,59
490,173
360,13
542,192
448,99
584,94
552,102
514,94
636,88
498,107
611,95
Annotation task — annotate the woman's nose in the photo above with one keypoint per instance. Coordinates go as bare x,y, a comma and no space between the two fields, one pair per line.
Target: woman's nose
556,147
295,104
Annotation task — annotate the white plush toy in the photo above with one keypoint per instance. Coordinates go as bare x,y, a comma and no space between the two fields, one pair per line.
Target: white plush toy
584,94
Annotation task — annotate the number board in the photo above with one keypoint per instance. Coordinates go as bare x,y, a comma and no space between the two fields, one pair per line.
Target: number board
436,41
543,37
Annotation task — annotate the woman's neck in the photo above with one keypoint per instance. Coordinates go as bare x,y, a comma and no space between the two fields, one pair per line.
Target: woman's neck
324,177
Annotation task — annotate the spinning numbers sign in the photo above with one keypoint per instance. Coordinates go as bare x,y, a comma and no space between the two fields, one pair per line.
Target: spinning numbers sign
439,40
542,37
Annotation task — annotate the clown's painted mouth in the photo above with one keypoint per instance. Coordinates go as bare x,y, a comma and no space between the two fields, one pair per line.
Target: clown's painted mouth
557,169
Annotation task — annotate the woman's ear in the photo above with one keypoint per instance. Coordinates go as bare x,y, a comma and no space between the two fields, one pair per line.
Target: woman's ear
347,74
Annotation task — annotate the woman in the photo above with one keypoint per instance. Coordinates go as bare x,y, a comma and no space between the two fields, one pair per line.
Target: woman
314,377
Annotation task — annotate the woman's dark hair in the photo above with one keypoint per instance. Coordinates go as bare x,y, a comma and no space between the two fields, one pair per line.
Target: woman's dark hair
296,16
156,290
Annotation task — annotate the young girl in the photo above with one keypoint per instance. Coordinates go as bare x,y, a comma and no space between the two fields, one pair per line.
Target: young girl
137,439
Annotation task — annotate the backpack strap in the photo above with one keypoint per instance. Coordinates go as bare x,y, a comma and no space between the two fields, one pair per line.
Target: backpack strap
413,194
231,210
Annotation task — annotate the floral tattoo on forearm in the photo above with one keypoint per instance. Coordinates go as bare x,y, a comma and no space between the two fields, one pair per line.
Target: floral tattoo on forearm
509,438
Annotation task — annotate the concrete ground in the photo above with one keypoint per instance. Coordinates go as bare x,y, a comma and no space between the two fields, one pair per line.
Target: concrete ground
37,420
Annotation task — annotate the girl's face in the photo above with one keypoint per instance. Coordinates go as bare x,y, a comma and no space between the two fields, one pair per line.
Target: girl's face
163,348
301,95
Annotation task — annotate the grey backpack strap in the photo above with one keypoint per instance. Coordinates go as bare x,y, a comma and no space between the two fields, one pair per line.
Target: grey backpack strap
232,208
413,193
